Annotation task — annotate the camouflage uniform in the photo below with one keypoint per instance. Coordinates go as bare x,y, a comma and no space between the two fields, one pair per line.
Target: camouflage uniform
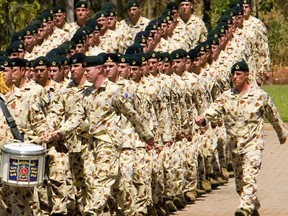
62,107
243,117
30,121
130,30
194,29
101,107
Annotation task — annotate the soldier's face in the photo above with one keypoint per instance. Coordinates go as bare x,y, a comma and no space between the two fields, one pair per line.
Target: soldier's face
55,74
152,66
188,65
135,73
133,12
41,73
160,66
77,71
123,70
17,74
110,69
92,73
167,68
80,48
239,78
178,65
7,76
111,22
164,29
81,13
91,39
103,22
144,68
28,40
59,19
14,55
185,8
246,10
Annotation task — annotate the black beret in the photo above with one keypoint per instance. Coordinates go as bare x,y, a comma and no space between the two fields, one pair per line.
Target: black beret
235,3
166,57
237,10
178,54
152,55
111,57
58,9
17,36
5,61
76,58
54,52
240,66
14,47
246,2
3,53
144,56
179,1
172,6
109,6
193,53
64,60
99,14
134,48
92,22
54,61
40,61
29,30
91,61
46,16
141,37
79,36
18,62
110,13
123,59
135,60
132,3
81,4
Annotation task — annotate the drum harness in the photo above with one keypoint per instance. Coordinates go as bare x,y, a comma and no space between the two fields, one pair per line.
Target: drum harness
11,122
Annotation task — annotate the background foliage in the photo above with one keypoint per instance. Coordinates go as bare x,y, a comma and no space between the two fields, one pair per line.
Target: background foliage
15,14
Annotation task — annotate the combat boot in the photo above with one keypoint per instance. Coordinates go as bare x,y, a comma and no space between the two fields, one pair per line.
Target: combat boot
170,205
178,203
241,212
200,192
213,181
218,177
225,173
206,185
190,197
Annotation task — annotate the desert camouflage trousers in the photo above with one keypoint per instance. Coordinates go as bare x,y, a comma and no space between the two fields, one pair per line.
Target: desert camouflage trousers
246,168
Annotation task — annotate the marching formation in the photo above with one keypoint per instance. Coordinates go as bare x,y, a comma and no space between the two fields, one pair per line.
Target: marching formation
121,108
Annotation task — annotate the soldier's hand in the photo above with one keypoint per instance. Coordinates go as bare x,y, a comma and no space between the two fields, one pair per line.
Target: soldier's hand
282,141
159,149
148,147
56,135
150,142
199,120
47,138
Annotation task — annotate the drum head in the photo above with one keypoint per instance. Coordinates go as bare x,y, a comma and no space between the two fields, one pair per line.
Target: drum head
23,149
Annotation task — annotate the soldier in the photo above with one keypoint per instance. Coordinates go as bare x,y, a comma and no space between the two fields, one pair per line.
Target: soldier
93,40
243,108
16,50
262,57
81,12
62,107
103,128
134,23
189,24
54,69
59,17
30,121
109,39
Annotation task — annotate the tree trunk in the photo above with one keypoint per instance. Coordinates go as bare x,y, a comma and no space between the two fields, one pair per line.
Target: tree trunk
70,10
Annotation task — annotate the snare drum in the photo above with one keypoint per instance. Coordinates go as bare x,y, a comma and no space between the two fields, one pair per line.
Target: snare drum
23,164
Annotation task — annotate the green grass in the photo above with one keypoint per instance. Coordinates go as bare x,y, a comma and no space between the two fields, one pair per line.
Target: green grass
279,94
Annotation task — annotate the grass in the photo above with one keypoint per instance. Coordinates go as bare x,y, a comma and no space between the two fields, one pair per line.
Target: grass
279,95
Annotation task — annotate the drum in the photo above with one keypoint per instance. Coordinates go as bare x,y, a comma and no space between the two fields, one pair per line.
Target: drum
23,164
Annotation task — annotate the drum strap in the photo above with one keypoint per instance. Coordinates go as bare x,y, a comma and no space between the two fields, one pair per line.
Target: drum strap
11,122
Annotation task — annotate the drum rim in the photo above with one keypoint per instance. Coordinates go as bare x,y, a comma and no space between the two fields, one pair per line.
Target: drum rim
21,152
